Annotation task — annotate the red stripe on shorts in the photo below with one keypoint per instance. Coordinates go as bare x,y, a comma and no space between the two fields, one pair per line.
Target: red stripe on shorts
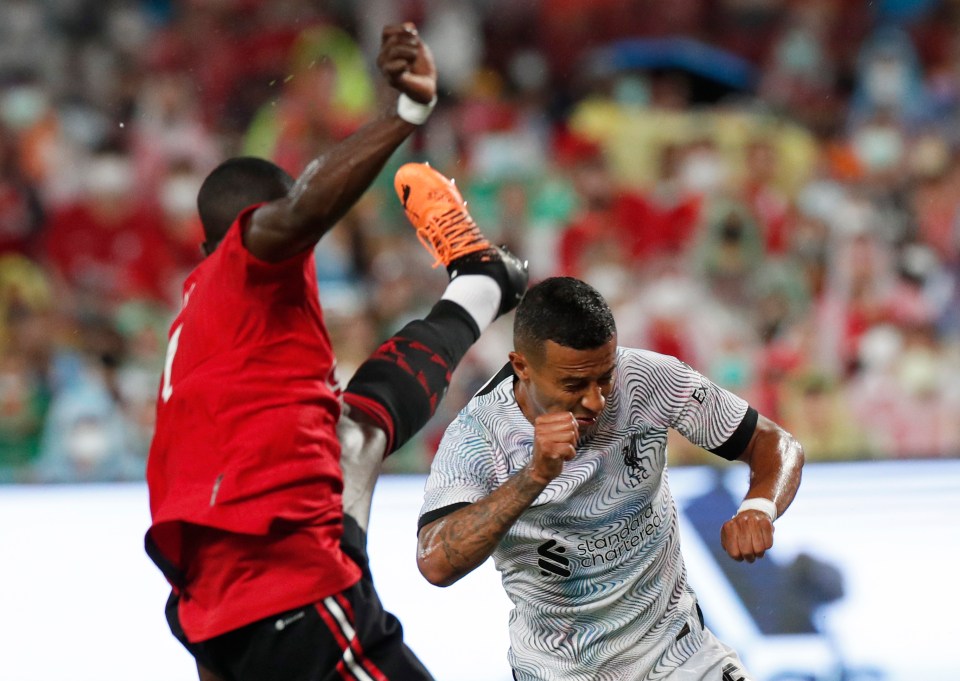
342,626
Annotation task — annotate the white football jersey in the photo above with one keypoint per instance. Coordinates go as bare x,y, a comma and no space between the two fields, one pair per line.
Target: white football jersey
593,566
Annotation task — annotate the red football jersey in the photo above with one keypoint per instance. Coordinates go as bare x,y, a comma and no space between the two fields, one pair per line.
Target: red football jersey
245,438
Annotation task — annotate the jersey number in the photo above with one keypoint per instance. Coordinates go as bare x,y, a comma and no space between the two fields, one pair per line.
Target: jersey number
167,390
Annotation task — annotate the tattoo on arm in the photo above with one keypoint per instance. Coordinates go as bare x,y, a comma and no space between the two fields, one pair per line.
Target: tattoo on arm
468,536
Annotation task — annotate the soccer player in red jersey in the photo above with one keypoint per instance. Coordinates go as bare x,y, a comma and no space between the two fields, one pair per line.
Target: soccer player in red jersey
261,471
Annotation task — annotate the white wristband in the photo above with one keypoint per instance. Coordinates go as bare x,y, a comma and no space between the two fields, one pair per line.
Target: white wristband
759,504
414,112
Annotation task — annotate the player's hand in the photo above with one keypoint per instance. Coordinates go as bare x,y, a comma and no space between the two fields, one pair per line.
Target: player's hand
407,63
554,441
747,535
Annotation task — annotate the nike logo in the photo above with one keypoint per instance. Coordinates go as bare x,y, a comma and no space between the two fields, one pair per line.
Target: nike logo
285,622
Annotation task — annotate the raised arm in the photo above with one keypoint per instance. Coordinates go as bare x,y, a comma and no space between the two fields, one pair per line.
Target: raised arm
452,546
333,182
776,460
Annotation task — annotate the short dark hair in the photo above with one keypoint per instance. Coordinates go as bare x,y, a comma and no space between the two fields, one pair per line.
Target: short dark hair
235,184
564,310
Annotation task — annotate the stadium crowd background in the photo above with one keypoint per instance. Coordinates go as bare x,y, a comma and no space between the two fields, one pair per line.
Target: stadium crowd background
767,189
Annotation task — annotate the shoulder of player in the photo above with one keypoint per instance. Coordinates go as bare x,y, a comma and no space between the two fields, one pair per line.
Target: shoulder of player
486,414
496,381
638,358
234,252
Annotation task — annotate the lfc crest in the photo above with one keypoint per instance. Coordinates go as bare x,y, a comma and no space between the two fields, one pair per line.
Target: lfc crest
636,461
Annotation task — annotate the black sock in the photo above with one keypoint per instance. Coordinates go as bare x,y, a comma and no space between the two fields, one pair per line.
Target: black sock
409,374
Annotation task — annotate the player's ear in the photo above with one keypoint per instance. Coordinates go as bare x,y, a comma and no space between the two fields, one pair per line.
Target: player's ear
520,365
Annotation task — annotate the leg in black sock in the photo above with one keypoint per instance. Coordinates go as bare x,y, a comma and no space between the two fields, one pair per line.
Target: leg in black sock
393,395
408,375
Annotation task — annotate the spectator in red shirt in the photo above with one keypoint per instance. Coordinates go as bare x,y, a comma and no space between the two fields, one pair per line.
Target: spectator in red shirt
621,224
109,245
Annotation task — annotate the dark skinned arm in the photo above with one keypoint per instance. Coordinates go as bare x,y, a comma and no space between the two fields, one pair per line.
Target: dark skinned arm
333,182
206,675
775,459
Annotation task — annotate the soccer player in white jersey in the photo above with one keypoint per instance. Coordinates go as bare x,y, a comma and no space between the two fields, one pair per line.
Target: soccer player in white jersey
558,469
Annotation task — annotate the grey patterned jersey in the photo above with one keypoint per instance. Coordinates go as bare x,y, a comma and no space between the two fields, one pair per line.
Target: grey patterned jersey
593,567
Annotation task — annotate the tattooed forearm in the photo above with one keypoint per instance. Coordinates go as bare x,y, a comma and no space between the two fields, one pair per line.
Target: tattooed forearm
454,545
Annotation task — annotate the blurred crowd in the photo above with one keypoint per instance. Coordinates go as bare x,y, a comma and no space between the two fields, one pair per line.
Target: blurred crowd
766,189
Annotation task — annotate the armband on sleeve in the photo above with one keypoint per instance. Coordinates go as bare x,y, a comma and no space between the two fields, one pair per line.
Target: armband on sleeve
738,441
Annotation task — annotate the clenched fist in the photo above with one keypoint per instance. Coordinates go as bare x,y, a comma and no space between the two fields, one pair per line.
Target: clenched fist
554,441
747,535
407,62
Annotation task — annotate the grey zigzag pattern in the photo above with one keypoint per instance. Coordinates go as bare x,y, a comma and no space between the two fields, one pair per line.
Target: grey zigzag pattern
613,595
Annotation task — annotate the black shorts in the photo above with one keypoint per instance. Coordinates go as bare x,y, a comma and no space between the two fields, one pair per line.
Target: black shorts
345,636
